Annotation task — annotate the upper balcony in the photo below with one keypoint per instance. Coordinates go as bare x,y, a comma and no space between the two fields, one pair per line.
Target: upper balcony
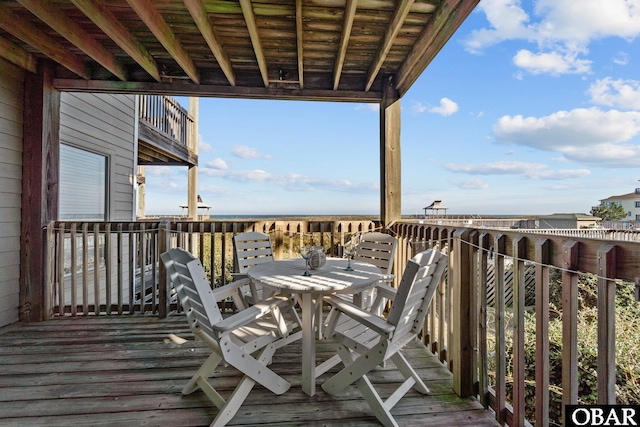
165,134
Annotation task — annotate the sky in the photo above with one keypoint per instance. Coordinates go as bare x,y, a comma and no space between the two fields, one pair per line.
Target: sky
531,108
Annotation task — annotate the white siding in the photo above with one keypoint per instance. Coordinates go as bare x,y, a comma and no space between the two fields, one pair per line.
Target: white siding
11,107
105,124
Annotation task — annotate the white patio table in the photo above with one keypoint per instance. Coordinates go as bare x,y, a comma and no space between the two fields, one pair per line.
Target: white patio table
287,276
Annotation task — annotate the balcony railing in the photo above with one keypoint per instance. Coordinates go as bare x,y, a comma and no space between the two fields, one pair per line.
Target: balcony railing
165,115
498,281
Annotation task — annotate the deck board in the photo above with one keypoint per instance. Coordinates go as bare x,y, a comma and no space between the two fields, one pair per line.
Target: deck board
125,370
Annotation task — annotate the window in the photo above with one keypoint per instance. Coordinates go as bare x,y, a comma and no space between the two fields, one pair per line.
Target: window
637,204
83,184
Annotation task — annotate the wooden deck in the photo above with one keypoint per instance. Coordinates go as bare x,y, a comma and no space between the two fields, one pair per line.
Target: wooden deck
127,371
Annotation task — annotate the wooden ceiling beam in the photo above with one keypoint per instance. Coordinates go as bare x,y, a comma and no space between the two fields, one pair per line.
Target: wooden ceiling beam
33,36
299,23
397,19
63,25
448,17
250,19
214,91
347,26
159,27
199,15
109,24
17,56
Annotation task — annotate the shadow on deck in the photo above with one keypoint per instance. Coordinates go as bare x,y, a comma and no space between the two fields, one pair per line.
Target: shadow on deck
127,371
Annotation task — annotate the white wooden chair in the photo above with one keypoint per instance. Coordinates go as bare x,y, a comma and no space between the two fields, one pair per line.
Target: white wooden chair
366,341
249,249
378,249
249,337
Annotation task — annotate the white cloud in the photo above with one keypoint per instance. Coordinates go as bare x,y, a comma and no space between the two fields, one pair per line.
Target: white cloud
470,184
561,30
446,108
621,58
290,182
203,146
218,163
623,94
245,152
589,136
535,171
554,63
374,107
418,108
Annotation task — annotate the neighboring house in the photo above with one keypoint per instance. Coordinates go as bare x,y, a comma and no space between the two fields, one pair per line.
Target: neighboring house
567,221
103,139
630,202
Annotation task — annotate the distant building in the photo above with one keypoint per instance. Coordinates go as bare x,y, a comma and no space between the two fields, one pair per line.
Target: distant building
434,209
630,202
567,221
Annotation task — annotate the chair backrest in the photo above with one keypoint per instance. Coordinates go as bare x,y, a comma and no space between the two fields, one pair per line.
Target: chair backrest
251,248
417,287
378,249
190,282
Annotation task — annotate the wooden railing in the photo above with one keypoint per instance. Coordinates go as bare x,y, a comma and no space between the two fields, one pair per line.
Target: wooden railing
112,267
471,336
167,116
497,279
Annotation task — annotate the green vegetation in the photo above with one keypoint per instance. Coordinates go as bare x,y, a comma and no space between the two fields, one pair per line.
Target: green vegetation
627,347
609,211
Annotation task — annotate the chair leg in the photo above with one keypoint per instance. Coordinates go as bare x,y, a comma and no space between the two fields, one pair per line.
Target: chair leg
408,372
354,368
236,399
205,370
380,409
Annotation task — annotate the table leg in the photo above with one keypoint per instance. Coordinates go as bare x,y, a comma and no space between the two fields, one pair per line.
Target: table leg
308,343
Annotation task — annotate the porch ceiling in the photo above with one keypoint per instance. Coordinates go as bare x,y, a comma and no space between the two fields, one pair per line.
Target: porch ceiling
339,50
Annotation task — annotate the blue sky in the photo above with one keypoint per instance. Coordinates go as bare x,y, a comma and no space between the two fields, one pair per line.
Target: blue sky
532,107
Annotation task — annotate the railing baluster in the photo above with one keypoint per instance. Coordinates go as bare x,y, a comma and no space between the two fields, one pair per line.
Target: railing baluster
483,363
519,280
542,257
107,267
501,348
74,268
120,268
96,268
606,325
61,257
85,270
570,253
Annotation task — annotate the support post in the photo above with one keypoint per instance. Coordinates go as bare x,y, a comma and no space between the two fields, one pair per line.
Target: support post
390,172
462,344
192,175
40,177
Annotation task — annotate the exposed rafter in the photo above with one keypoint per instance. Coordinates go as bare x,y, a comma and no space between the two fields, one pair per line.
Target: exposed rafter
107,22
17,56
250,19
33,36
158,26
347,25
199,14
63,25
299,40
448,17
399,15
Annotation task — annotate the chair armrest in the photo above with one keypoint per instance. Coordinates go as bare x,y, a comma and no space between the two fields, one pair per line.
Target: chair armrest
366,318
250,314
386,291
229,290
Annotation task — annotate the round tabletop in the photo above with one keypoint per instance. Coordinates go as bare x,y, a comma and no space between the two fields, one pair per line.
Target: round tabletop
331,278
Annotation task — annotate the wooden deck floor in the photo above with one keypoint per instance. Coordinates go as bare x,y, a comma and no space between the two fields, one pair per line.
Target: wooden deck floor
112,371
